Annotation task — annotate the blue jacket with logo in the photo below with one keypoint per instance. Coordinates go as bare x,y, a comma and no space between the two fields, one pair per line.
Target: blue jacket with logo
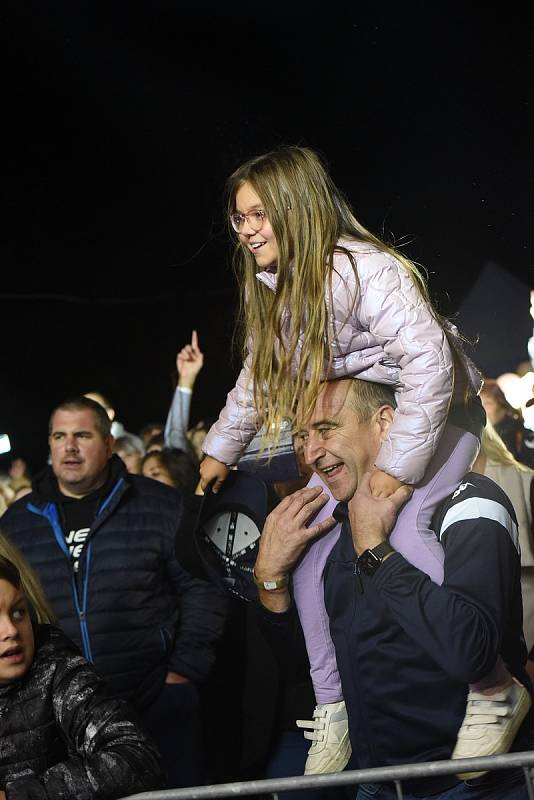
131,608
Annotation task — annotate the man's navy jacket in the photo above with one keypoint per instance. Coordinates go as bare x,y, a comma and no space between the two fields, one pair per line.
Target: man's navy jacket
131,608
407,649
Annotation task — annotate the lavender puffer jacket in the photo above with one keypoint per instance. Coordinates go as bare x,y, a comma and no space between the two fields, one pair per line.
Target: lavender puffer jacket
381,330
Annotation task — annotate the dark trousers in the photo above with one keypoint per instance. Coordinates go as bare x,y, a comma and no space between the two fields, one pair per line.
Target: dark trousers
288,758
173,720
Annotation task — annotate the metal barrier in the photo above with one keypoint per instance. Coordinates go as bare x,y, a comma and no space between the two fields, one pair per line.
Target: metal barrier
393,775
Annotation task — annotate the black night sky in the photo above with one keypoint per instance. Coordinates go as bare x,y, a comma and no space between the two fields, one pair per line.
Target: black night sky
121,122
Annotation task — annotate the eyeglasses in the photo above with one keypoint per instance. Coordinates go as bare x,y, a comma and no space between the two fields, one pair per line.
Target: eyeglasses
254,219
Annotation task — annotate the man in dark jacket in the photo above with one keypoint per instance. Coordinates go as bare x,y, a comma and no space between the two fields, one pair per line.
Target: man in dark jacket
406,648
102,542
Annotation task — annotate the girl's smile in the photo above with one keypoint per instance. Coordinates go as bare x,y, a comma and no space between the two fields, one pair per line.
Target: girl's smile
261,243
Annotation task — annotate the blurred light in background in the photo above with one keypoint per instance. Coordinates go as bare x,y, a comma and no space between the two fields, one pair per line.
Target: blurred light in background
519,389
5,444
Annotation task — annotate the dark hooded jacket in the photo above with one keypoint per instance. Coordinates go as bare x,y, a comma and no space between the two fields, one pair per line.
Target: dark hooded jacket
130,607
62,737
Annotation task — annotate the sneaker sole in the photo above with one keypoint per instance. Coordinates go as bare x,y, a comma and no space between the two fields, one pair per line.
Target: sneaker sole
337,764
523,708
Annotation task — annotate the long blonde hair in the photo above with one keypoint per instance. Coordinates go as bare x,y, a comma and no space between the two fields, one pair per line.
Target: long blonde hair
30,583
308,215
496,452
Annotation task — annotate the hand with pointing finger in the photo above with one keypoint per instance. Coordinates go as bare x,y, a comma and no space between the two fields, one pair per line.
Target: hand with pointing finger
189,362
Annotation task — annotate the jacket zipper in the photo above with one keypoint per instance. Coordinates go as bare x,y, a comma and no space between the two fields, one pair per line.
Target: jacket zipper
49,512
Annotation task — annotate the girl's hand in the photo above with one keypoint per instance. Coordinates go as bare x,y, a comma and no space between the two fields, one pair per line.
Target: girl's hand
212,471
372,518
383,485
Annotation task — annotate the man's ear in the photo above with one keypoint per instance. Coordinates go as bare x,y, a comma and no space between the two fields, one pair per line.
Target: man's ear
384,418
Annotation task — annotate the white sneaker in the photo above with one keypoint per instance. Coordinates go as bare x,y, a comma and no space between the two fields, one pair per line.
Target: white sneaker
329,731
491,723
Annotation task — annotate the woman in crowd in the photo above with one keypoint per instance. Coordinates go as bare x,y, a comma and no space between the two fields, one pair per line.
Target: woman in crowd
507,422
517,480
173,467
131,451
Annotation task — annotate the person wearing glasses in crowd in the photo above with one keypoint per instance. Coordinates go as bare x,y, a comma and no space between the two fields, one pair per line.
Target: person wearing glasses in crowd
324,298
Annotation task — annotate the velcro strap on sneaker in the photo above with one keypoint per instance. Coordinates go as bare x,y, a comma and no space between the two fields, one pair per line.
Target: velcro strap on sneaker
500,697
477,709
311,724
482,719
315,736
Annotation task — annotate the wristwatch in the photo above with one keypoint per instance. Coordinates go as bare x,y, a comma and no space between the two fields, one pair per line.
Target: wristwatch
270,586
370,560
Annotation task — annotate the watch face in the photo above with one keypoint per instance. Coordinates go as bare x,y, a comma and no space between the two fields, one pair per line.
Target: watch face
369,562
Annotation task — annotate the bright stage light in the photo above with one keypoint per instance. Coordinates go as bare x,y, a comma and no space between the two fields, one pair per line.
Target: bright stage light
5,444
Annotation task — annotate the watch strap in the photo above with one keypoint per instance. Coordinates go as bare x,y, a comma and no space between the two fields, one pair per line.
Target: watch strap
372,558
270,586
382,549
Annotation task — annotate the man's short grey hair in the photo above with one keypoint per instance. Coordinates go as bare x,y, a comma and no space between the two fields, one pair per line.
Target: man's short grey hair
367,397
130,445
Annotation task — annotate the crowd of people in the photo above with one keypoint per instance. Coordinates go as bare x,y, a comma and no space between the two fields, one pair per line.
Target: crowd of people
389,601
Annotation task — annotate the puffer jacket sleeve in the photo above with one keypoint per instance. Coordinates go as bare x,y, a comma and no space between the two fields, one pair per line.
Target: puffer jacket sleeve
203,610
238,422
389,306
110,755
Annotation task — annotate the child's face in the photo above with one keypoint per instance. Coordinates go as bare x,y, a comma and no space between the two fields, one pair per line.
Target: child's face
262,243
16,634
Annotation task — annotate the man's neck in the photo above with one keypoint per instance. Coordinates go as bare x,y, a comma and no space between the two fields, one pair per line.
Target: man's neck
78,493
